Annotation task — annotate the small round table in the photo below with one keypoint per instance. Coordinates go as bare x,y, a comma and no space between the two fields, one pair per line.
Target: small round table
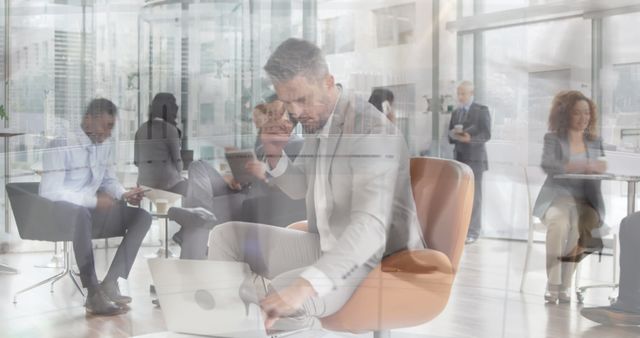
630,179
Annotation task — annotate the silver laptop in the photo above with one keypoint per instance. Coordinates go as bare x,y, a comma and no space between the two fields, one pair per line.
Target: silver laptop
203,298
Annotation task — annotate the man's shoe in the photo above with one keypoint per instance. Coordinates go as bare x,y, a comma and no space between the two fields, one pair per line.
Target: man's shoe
112,291
198,217
99,304
470,240
608,315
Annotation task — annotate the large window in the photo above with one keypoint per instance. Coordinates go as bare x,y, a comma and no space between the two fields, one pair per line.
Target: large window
517,79
620,82
336,34
395,25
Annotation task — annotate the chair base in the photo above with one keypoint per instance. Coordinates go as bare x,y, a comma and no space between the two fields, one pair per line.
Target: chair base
7,269
53,279
580,291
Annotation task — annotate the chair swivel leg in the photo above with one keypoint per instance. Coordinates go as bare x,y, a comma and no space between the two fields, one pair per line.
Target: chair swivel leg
52,278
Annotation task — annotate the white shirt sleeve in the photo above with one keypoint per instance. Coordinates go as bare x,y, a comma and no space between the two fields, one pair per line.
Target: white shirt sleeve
52,187
281,167
318,280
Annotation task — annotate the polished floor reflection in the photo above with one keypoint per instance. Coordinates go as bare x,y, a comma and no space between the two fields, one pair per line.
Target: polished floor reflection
485,301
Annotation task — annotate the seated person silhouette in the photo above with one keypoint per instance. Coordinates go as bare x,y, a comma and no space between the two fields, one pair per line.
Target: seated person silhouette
79,170
157,147
213,198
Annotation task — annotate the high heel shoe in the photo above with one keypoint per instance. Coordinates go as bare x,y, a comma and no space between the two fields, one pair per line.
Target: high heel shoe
247,294
576,258
584,253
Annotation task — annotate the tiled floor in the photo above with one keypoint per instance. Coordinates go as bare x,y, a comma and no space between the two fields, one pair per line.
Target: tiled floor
485,302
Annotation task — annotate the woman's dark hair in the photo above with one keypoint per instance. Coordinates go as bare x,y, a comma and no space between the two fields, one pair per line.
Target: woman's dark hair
560,114
380,95
161,105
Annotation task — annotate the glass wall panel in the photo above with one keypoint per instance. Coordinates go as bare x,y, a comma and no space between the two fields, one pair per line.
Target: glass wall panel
620,82
517,79
375,44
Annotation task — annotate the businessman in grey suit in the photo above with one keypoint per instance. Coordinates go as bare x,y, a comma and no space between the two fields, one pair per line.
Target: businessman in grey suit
353,170
469,130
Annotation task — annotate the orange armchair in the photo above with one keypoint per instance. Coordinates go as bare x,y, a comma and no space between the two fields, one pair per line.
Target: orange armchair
412,287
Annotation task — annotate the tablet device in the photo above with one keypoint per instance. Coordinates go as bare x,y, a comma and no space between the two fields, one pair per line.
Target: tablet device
238,160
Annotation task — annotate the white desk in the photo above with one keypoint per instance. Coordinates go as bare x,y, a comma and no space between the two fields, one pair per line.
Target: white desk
630,179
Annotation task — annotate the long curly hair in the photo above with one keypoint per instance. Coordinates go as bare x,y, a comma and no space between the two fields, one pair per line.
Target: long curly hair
560,114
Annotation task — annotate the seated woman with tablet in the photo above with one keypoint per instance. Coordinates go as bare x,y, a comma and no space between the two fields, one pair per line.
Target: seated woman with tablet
212,198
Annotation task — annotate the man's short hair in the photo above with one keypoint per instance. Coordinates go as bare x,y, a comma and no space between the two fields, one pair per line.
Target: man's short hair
467,84
101,106
296,57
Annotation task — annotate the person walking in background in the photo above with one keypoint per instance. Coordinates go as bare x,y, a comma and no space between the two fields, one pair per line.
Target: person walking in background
570,209
469,130
382,99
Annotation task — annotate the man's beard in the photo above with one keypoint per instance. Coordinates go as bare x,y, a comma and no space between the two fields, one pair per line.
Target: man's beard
316,126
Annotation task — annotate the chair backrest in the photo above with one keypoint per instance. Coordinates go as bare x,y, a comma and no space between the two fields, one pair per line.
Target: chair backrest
443,192
35,215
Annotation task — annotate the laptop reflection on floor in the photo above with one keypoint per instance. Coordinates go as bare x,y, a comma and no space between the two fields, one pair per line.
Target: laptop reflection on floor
210,298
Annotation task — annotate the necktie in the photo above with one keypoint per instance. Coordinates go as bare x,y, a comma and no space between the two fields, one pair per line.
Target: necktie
463,114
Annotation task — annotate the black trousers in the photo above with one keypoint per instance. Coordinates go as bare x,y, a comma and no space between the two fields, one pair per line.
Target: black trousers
120,220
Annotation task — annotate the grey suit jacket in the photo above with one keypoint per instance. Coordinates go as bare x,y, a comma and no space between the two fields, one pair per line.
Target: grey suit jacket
555,155
157,155
370,207
477,123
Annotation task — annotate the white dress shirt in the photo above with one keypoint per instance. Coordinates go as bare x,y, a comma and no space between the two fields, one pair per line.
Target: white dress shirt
318,279
75,168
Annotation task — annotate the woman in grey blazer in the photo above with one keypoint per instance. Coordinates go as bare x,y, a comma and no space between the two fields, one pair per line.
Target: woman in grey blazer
157,147
570,208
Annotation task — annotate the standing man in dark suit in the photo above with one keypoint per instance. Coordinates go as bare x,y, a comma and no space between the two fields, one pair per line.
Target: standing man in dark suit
469,130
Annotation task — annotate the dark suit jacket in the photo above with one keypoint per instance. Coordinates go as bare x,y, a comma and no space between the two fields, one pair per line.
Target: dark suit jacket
555,155
477,123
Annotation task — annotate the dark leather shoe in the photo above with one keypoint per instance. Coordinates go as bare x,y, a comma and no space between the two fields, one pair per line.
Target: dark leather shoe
113,292
99,304
192,217
608,315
